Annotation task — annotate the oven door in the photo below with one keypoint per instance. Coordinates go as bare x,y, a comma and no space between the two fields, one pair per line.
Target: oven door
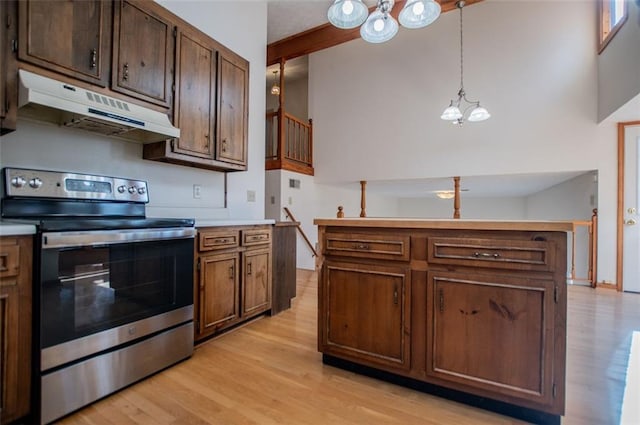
100,289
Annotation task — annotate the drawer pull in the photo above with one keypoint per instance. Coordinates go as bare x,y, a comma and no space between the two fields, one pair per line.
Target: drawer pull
223,240
361,246
258,237
486,255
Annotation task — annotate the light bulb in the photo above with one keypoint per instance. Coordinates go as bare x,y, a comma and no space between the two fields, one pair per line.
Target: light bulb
418,8
378,25
347,7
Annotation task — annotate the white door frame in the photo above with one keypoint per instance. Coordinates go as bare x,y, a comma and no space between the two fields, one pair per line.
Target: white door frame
622,126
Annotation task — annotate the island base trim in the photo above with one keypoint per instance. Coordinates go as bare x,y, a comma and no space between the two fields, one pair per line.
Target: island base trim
503,408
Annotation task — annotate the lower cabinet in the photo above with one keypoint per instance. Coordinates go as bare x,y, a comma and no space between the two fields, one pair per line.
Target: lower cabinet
219,291
492,333
367,313
233,280
479,312
8,68
15,332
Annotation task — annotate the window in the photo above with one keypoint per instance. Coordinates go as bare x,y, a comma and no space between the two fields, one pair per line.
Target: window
612,14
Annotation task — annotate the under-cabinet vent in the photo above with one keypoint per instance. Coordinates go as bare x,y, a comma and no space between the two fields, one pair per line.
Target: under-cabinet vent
45,99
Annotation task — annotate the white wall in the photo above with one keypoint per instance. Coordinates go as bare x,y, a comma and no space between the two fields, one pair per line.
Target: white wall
619,66
171,186
573,199
376,108
505,208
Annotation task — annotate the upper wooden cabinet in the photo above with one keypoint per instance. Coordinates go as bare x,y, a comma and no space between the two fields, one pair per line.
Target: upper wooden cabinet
210,108
195,96
8,75
143,46
233,90
70,37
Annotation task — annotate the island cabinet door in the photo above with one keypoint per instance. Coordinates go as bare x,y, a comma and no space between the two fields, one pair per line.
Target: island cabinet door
493,333
366,314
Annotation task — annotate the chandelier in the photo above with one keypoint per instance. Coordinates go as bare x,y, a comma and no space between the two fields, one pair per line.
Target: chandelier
380,26
463,109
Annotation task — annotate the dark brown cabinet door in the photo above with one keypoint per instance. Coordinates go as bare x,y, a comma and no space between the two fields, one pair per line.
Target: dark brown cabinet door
256,285
219,291
71,37
195,96
233,87
143,52
8,75
366,314
15,332
492,332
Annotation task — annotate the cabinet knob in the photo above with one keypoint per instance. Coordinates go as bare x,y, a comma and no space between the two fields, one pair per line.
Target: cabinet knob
93,60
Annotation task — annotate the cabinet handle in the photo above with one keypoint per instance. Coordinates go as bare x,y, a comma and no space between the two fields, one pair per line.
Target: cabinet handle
125,72
93,62
220,240
248,269
4,262
224,145
206,145
395,294
361,246
441,293
232,272
486,255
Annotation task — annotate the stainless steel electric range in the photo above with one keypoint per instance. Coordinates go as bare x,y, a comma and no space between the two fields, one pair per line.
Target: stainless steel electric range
113,289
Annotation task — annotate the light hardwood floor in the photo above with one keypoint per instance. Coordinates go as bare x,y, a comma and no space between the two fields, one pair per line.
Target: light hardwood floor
269,372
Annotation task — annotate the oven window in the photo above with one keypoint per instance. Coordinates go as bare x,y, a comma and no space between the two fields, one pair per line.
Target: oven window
90,289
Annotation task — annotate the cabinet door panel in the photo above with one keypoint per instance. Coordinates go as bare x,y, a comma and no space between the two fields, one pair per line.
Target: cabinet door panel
143,54
256,287
232,110
219,297
195,97
367,313
492,332
70,37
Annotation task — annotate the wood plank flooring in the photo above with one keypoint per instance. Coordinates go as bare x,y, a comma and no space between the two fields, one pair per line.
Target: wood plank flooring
269,372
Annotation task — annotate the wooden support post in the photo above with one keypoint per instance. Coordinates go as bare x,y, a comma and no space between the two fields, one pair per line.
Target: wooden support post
363,201
281,138
593,249
456,199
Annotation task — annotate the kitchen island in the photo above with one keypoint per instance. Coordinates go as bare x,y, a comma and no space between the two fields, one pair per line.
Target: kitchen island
472,310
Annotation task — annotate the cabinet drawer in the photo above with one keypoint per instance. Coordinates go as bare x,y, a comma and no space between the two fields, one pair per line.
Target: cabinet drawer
218,239
385,246
256,237
495,253
9,260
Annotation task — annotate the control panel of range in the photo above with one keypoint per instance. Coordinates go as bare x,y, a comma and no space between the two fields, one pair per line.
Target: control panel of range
54,184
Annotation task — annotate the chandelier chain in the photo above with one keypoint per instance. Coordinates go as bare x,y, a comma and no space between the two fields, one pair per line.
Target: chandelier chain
460,5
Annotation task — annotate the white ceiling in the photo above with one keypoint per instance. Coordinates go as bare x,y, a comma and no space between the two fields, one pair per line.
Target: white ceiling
288,17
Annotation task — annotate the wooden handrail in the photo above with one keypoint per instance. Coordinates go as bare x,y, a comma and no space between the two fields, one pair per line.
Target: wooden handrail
304,236
591,226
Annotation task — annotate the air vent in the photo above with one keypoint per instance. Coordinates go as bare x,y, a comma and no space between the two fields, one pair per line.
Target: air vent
99,99
294,183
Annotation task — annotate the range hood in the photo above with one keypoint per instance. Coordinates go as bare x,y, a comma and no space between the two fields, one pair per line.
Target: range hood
45,99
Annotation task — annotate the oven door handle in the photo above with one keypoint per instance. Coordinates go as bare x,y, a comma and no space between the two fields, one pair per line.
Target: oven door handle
52,240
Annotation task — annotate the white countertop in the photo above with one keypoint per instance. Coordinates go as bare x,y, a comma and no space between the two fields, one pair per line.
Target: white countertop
230,222
13,229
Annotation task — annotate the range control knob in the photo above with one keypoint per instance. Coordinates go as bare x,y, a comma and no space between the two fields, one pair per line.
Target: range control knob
142,190
122,189
35,183
132,189
18,181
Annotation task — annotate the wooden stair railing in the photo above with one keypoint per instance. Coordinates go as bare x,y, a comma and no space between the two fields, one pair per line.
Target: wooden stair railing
592,229
304,235
289,143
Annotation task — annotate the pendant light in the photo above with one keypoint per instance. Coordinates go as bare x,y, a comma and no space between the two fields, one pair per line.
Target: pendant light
471,110
380,26
275,89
